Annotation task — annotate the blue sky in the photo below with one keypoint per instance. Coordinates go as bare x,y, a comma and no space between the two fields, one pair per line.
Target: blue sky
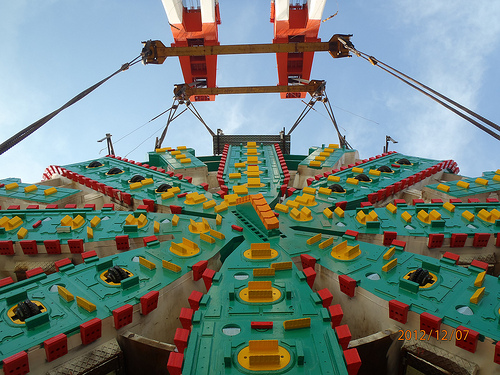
53,49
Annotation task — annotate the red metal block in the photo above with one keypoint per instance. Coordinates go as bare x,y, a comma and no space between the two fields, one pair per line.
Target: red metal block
71,206
430,324
479,264
149,302
307,261
90,331
188,179
372,197
336,314
127,198
437,200
123,315
122,242
52,206
452,256
62,262
181,339
194,299
497,243
37,224
16,364
52,246
6,281
76,246
34,272
174,364
150,204
148,239
381,195
204,185
88,254
261,325
326,297
435,240
344,335
399,201
481,239
33,207
290,191
347,285
473,200
366,204
398,311
198,269
399,243
181,195
417,201
90,205
186,317
310,276
142,207
6,248
237,228
496,358
310,181
389,237
466,338
455,200
161,170
491,200
178,175
341,204
29,247
14,207
458,240
175,209
56,347
352,233
208,276
352,361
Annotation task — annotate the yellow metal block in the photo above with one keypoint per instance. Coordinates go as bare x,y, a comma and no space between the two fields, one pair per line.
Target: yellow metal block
389,253
259,285
324,191
374,172
495,214
13,223
142,220
477,296
240,190
480,279
174,189
309,190
332,178
253,182
361,217
292,204
434,215
207,238
263,272
343,251
50,191
216,234
391,208
328,213
281,207
95,221
315,163
496,178
263,345
306,199
485,215
449,207
209,204
146,263
251,144
239,165
181,147
180,156
185,160
423,216
130,220
234,175
333,145
161,150
22,233
282,266
320,158
305,213
231,199
167,195
469,216
90,233
252,159
481,181
328,149
295,214
221,207
253,174
4,222
156,227
443,187
357,170
65,294
218,220
171,266
324,153
463,184
84,304
135,185
175,220
31,188
339,212
253,168
147,181
67,221
297,323
352,181
12,186
78,221
326,243
372,216
175,152
390,265
314,239
251,151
